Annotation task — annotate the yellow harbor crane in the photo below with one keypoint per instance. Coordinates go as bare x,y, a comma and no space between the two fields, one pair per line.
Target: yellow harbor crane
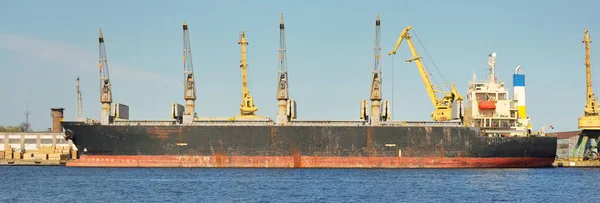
443,107
589,123
247,107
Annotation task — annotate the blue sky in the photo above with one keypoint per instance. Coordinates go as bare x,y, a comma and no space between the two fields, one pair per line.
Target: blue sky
45,45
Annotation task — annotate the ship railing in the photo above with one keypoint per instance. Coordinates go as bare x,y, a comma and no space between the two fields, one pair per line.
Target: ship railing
421,123
327,123
211,122
144,122
231,123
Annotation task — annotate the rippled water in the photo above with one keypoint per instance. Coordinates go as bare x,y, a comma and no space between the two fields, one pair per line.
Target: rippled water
61,184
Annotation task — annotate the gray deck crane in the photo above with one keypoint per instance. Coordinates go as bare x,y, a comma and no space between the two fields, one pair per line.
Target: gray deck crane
105,87
287,107
377,113
188,77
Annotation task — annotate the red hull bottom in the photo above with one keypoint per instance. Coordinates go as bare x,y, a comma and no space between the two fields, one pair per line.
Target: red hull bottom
220,161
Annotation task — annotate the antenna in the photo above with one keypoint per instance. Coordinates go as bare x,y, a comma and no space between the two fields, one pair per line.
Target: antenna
492,65
26,117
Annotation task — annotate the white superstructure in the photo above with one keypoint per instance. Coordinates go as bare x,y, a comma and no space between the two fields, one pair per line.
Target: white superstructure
488,106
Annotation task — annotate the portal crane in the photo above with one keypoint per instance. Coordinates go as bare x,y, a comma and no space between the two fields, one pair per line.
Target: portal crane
377,113
443,107
247,107
589,123
286,106
105,87
188,77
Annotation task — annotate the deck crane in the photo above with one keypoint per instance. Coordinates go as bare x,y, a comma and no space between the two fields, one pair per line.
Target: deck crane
188,77
247,107
377,113
287,107
443,107
79,104
105,87
589,123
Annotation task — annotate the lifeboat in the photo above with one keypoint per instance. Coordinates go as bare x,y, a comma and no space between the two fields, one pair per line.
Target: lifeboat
487,105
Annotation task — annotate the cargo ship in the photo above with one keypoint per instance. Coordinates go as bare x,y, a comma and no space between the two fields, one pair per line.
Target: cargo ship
484,130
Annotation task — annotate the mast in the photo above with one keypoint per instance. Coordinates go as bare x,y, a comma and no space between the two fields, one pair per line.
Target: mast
188,77
492,65
105,87
282,88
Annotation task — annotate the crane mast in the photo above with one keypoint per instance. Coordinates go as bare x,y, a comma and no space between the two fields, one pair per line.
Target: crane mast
286,111
590,119
376,77
591,106
443,107
189,81
247,107
105,87
79,104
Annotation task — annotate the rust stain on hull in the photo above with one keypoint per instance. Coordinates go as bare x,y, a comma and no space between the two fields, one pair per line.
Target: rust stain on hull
298,161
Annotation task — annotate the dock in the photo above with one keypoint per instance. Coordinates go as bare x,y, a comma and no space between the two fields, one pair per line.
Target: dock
576,164
35,148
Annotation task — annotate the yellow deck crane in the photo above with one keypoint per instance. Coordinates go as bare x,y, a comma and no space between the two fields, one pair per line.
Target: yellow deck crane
589,123
188,78
287,106
379,111
105,87
443,107
247,107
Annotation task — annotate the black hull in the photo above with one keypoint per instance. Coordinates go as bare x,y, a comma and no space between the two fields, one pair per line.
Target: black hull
331,141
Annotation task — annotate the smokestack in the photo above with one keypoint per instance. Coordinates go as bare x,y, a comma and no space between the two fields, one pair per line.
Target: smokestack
57,117
519,92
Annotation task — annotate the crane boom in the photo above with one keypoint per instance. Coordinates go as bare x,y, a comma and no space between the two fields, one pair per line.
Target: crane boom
376,75
188,77
105,87
247,107
442,107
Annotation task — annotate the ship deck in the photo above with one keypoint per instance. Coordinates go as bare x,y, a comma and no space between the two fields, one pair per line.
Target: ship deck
265,122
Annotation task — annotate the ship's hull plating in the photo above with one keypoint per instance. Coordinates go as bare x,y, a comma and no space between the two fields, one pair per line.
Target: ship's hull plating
304,147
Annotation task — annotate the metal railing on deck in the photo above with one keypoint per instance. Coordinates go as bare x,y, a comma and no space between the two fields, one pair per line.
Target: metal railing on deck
327,123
